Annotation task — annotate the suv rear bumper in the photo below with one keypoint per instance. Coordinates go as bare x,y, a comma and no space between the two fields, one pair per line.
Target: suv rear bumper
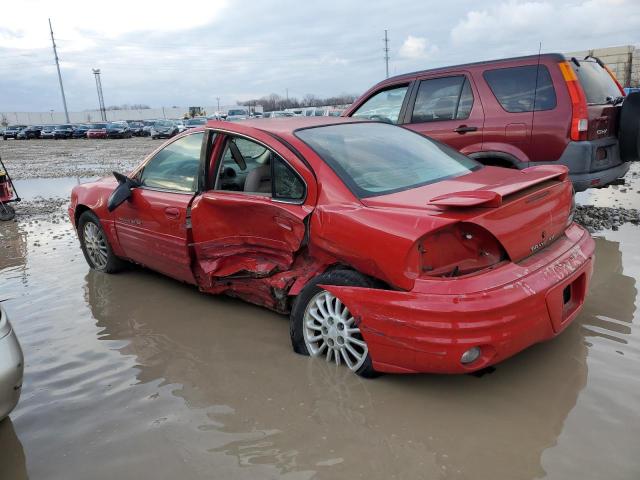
585,169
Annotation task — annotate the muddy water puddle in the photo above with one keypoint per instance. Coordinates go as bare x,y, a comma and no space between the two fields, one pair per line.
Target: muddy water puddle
32,188
138,376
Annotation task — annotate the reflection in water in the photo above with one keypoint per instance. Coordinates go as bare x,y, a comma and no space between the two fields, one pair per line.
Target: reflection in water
12,464
611,304
13,246
301,415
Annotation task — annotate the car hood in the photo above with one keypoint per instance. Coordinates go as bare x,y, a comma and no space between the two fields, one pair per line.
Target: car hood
524,209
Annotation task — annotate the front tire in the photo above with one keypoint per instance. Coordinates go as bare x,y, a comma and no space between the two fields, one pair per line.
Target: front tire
322,326
95,246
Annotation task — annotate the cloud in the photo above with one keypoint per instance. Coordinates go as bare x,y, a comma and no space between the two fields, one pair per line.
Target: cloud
235,49
513,21
417,48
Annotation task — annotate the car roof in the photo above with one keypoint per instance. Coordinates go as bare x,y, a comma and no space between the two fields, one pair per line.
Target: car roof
283,126
554,56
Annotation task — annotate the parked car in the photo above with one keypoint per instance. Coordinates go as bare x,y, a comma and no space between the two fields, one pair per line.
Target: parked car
11,366
237,114
146,130
195,122
47,131
12,131
32,131
518,112
63,131
136,128
164,129
118,130
80,131
97,130
180,124
278,114
392,252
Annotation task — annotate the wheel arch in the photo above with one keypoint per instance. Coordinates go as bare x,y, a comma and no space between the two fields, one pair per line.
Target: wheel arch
498,159
79,210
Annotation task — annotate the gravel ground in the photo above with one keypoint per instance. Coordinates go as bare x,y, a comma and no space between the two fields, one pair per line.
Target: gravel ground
73,158
598,209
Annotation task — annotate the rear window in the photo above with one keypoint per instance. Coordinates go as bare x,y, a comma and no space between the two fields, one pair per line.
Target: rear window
596,82
515,88
374,158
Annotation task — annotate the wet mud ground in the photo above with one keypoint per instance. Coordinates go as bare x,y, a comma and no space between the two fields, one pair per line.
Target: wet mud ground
135,375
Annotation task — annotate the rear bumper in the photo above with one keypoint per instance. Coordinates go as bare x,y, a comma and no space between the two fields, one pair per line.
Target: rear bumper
429,328
586,169
11,369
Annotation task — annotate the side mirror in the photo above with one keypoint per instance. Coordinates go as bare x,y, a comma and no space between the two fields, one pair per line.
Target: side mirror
122,191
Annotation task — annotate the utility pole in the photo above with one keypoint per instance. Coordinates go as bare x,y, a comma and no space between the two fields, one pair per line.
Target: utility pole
103,110
55,54
386,52
218,100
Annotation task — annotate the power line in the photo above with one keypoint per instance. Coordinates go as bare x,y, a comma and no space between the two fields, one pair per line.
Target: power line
55,54
386,52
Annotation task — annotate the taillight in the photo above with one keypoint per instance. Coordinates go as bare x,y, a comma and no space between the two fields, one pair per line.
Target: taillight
459,249
580,116
613,77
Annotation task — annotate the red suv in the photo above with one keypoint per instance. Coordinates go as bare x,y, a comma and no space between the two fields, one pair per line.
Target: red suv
519,112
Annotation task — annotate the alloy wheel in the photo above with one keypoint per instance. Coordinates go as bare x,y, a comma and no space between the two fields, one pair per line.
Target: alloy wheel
96,245
330,331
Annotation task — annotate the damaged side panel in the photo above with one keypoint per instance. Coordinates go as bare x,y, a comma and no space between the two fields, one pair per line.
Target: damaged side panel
250,246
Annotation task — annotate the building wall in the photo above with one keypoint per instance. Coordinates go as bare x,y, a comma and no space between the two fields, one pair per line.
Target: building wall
623,61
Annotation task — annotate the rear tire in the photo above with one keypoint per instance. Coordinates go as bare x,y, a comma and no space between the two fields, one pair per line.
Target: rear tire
95,246
356,355
6,212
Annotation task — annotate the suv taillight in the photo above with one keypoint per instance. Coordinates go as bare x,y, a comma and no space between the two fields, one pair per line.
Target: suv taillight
580,116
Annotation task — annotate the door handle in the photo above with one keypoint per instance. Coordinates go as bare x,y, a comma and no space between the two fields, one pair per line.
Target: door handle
172,212
462,129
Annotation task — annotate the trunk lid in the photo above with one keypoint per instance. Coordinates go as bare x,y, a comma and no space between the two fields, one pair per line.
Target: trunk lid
525,210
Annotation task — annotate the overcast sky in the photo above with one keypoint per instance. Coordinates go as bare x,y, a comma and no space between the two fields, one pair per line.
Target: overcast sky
188,53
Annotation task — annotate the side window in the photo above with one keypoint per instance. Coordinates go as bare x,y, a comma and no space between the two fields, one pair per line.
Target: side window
176,166
445,98
383,105
515,88
287,184
466,101
250,167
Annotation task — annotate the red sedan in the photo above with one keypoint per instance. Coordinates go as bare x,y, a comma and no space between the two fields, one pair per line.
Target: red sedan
391,252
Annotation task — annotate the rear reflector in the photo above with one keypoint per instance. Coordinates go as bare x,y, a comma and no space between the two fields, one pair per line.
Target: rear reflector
579,117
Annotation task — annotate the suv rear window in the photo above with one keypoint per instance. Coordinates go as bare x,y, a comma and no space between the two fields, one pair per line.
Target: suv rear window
596,82
515,88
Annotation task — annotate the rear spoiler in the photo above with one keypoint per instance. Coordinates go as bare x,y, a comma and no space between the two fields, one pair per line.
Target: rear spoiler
493,195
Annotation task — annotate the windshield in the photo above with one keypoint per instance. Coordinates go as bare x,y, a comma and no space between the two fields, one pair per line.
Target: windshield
237,112
163,123
596,82
196,121
377,158
99,125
